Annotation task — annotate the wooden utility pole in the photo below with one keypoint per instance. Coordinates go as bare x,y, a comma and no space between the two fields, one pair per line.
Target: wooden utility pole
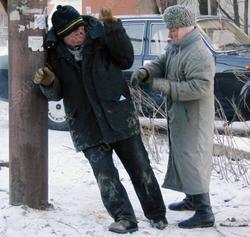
28,133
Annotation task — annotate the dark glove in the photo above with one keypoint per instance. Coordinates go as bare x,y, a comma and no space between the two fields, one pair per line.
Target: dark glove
138,77
50,40
105,15
148,85
44,76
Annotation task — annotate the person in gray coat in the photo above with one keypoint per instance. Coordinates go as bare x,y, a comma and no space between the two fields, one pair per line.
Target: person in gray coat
185,73
86,57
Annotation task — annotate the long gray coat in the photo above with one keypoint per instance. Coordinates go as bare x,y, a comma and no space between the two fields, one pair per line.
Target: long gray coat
190,69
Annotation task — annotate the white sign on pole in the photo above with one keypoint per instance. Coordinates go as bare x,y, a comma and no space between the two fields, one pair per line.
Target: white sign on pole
88,10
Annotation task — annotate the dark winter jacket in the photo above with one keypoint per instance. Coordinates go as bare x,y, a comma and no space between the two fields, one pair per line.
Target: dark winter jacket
96,97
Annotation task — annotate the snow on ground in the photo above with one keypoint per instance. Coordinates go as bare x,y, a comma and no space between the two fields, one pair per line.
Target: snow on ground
77,207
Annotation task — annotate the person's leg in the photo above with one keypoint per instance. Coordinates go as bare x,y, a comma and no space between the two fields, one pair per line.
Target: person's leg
203,216
134,157
114,195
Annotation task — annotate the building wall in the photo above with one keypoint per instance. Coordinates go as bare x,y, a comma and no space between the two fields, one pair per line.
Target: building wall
119,7
126,7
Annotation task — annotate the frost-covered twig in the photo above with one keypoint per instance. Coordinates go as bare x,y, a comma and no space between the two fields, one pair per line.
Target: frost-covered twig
229,161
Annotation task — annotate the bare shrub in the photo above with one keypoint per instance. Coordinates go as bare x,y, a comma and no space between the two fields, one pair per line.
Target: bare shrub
226,163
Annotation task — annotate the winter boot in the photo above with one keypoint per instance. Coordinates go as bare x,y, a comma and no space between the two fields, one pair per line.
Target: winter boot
185,205
203,216
123,227
159,223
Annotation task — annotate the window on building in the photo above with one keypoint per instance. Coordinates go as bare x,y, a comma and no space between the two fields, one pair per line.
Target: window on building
3,30
3,20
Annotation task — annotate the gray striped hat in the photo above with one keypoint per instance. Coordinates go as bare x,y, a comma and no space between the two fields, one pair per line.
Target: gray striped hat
178,16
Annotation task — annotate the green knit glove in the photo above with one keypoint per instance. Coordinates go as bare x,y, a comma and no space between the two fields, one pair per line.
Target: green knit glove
161,84
139,77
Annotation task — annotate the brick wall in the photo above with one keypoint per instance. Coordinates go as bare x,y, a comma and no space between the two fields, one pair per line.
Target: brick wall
119,7
2,11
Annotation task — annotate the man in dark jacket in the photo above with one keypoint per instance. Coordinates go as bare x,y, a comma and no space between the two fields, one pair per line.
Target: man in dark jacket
85,59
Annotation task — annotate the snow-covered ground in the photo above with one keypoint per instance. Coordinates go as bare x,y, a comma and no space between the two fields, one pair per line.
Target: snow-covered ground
77,207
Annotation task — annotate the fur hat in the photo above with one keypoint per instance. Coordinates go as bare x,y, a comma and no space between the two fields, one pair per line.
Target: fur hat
65,20
178,16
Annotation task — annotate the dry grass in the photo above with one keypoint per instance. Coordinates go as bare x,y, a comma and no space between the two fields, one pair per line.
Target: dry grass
228,167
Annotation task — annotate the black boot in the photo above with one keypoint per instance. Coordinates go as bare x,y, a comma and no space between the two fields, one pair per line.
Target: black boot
185,205
203,216
160,224
123,227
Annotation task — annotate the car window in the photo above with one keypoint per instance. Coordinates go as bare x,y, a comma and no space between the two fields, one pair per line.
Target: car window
158,38
135,32
223,35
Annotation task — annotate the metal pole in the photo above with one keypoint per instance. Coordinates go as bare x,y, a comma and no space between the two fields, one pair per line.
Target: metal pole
28,109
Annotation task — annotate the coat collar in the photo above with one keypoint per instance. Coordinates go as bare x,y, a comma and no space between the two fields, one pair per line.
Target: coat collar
192,37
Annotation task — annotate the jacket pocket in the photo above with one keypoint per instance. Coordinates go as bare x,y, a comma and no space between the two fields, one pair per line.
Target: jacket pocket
109,82
120,115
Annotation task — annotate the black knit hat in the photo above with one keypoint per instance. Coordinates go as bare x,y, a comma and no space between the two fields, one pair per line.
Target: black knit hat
65,20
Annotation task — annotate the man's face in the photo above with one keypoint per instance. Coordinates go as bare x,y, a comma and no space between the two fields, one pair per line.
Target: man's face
76,37
174,35
178,34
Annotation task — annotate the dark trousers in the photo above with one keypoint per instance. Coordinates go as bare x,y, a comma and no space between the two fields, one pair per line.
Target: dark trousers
134,157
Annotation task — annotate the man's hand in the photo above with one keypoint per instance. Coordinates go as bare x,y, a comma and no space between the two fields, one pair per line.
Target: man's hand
138,77
44,76
105,15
